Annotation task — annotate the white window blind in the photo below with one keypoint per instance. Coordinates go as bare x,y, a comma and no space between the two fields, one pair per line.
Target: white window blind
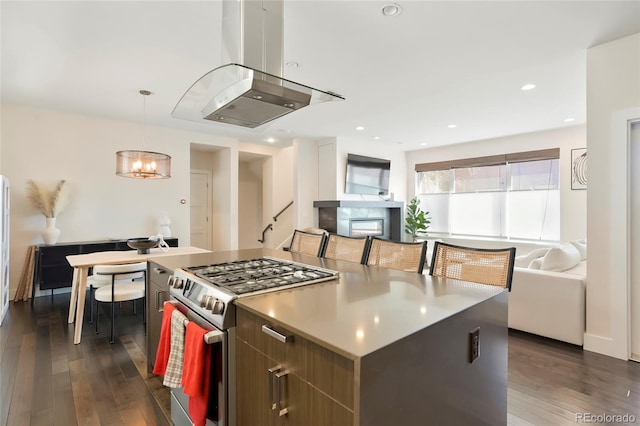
514,195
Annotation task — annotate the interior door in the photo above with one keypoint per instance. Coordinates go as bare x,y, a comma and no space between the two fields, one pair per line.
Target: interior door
200,209
634,235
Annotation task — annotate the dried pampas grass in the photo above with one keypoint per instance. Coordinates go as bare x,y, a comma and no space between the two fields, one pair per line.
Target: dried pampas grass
49,203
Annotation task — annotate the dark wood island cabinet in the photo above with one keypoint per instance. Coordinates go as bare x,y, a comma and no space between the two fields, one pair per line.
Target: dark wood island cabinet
157,294
376,348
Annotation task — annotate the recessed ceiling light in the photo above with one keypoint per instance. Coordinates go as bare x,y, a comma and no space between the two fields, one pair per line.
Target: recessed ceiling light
376,137
360,128
270,140
569,120
452,126
423,144
528,87
391,9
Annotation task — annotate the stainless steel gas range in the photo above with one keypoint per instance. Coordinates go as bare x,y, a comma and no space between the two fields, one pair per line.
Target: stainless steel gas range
206,293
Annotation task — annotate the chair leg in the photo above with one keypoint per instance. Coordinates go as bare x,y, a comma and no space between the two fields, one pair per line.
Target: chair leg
97,318
135,310
113,307
90,304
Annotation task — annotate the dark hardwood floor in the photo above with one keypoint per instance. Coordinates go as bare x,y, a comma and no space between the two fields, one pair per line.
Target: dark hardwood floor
47,380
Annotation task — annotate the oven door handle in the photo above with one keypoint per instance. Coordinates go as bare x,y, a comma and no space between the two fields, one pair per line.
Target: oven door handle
214,336
211,337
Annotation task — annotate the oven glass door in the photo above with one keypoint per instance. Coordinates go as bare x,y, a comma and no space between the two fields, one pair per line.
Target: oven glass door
217,409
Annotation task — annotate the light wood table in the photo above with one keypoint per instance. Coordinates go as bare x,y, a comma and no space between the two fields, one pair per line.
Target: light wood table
82,262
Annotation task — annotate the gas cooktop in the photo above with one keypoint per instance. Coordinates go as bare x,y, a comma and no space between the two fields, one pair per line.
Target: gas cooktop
259,275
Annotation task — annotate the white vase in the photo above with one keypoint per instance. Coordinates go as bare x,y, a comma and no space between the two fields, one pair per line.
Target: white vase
50,234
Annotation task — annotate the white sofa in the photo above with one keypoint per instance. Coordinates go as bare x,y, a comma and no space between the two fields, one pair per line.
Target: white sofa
549,304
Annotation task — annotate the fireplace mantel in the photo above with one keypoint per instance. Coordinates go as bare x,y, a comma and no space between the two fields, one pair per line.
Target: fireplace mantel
360,204
343,217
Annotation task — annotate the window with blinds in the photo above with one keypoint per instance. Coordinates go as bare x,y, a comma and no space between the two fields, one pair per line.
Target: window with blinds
507,196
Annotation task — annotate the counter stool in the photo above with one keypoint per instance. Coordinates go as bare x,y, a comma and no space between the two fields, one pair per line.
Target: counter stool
397,255
478,265
125,285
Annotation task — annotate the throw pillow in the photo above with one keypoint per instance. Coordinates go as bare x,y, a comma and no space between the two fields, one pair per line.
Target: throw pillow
524,260
560,258
581,246
535,263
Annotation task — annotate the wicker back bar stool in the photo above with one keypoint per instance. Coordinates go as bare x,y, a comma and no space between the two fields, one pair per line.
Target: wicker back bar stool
396,255
350,249
483,266
307,243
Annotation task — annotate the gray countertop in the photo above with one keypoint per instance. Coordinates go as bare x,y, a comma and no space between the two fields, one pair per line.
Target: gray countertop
366,309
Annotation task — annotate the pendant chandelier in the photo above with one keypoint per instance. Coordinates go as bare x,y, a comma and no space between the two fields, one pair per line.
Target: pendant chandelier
141,164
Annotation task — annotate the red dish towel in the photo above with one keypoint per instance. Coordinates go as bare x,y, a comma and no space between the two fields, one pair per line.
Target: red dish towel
164,347
196,372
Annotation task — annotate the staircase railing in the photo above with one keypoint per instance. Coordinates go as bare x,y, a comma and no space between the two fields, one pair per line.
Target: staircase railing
275,218
269,227
264,231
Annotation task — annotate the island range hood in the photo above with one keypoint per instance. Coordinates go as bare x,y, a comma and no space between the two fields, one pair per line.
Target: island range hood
248,91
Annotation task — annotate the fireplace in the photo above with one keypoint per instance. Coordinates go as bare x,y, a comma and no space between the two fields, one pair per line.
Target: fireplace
373,227
361,218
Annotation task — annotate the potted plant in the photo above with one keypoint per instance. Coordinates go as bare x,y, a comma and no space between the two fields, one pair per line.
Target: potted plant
417,221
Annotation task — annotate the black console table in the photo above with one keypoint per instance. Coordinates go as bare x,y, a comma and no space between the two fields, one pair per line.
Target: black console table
51,269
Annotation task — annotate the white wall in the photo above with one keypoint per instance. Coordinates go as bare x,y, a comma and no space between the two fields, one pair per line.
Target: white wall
573,204
332,174
277,193
250,204
613,94
46,146
306,185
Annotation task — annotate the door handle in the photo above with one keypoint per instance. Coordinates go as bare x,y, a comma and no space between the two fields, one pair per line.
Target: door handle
272,371
281,411
159,307
159,271
278,336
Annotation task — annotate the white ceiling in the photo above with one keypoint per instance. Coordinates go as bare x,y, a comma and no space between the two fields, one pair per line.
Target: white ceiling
405,78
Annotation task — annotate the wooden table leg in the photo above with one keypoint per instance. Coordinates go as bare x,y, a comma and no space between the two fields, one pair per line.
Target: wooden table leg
82,291
74,295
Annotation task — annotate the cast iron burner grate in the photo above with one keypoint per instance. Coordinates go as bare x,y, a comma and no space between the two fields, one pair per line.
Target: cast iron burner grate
253,275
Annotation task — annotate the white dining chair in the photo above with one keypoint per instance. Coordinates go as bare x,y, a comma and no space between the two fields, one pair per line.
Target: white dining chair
127,283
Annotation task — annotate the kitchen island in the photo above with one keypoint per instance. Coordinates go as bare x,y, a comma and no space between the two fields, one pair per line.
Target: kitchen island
374,347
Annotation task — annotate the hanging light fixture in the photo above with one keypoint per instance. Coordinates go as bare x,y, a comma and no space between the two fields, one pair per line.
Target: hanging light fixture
143,164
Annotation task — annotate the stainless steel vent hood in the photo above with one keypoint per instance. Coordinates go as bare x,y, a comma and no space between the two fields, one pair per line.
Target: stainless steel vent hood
249,91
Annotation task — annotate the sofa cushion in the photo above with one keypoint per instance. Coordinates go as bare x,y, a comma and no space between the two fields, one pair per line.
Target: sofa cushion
581,246
524,260
560,258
